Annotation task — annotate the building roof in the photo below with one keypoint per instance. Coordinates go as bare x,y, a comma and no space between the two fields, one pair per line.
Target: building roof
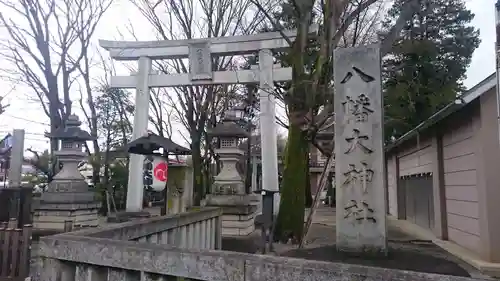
465,99
150,142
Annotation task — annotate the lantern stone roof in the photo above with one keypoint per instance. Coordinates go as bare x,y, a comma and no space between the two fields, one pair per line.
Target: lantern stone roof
228,129
71,131
150,142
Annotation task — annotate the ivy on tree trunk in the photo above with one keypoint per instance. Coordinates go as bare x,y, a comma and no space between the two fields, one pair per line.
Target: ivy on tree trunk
308,193
290,221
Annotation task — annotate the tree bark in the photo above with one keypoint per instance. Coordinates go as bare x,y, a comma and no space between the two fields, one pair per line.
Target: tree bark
308,193
290,222
198,190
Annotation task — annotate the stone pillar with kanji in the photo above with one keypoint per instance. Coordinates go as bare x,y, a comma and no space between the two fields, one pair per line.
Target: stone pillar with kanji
359,152
68,200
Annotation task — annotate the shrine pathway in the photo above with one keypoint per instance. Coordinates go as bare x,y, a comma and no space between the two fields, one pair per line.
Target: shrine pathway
406,252
322,231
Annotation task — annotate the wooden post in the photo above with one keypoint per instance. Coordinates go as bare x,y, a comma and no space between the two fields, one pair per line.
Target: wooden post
5,252
4,205
25,253
25,202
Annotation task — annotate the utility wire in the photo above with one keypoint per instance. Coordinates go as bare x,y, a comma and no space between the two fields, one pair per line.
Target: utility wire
26,133
27,120
39,140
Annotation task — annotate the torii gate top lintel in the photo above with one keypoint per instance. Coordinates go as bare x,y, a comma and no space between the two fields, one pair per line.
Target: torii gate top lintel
175,49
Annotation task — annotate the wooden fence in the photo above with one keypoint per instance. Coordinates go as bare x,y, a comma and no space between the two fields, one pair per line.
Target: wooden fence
16,202
14,251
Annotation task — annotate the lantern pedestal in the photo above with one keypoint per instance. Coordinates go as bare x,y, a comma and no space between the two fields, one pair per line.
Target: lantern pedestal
239,212
68,201
228,192
229,180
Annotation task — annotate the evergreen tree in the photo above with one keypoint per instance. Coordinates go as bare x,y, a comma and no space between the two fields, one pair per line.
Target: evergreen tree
428,63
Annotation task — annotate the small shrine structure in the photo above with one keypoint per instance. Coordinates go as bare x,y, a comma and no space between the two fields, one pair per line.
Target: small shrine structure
178,188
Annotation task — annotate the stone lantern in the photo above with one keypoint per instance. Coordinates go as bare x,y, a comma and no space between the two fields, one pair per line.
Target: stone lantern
71,150
68,199
229,180
228,190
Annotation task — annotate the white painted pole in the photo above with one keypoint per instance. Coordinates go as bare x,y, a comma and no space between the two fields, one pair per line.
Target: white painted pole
268,137
497,51
16,158
254,173
135,188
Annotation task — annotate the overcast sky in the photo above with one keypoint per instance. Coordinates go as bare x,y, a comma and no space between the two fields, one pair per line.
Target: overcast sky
24,113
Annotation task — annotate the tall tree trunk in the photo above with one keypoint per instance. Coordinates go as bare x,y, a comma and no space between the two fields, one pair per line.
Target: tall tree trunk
96,164
198,190
207,175
105,208
307,193
290,222
54,143
106,165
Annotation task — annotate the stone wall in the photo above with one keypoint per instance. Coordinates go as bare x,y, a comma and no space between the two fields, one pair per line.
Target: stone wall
193,229
75,257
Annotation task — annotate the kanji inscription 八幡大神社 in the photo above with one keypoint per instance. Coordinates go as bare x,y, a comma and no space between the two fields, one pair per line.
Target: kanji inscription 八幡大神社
359,211
359,161
355,177
357,110
356,141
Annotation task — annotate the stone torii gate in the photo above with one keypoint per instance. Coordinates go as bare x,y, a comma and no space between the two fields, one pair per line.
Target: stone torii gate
199,53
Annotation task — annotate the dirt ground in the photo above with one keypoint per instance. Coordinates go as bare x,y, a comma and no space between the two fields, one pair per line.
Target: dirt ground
406,252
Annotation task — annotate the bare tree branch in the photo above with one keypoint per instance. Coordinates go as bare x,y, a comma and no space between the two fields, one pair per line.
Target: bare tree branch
46,42
406,13
276,24
196,107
